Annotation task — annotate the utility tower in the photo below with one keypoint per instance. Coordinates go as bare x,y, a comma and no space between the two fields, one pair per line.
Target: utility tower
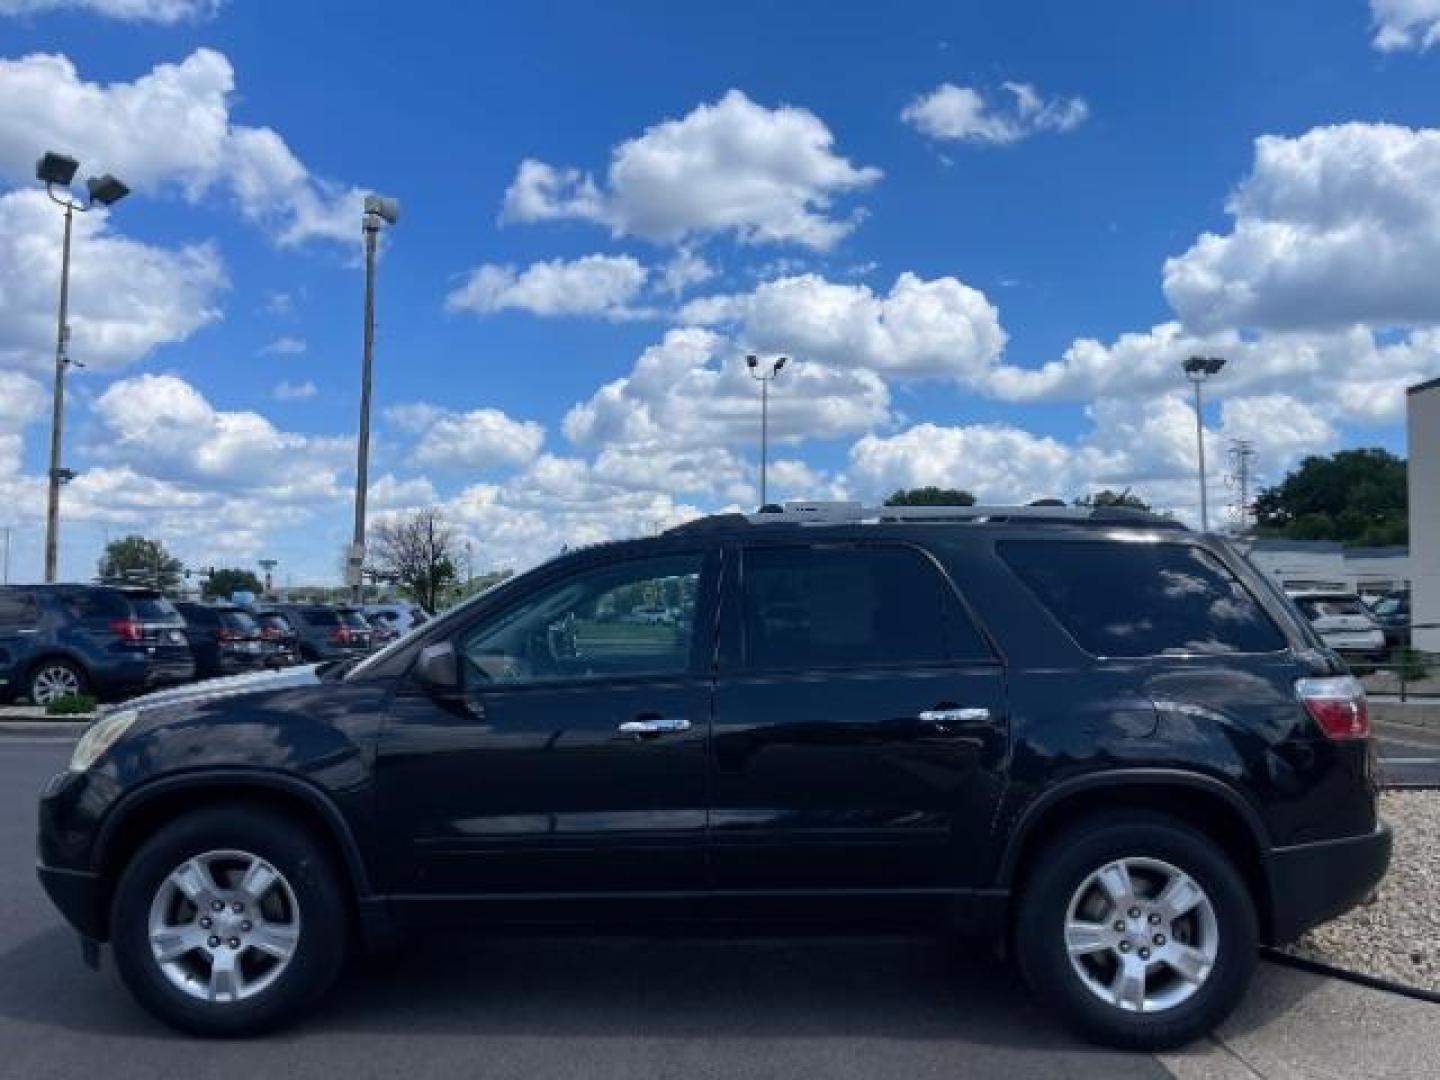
1242,475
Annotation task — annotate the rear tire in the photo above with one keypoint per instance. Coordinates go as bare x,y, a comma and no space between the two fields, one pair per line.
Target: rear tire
1080,951
55,679
278,934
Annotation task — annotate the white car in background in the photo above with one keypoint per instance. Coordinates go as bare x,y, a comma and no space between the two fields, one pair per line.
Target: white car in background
1343,622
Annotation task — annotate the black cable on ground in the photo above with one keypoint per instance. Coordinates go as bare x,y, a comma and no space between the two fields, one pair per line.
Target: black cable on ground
1374,982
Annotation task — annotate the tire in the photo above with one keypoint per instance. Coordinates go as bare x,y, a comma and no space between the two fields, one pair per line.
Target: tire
303,911
1174,1009
50,674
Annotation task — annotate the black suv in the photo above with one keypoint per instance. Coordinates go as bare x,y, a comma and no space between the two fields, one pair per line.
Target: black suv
62,640
1093,736
225,639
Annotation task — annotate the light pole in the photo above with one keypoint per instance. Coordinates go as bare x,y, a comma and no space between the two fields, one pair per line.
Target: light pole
377,209
1197,369
764,378
58,170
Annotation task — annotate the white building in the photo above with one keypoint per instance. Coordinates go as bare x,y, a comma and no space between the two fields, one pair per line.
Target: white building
1422,430
1322,564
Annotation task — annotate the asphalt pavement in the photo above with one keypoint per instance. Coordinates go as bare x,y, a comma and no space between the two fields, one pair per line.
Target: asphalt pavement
460,1006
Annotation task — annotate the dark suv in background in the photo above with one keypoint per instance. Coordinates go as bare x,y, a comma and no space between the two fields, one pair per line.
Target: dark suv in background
1094,736
224,638
61,640
323,632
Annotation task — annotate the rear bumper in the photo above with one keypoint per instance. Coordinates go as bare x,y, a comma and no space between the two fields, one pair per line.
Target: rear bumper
1311,883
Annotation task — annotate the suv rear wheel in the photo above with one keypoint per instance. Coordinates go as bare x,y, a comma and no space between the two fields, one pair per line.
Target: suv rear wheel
229,921
1139,930
51,680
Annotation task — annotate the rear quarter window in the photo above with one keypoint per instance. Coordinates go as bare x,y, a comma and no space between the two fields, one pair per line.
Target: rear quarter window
1142,599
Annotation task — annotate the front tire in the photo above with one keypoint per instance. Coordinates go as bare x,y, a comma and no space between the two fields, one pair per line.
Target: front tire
1138,930
54,680
229,921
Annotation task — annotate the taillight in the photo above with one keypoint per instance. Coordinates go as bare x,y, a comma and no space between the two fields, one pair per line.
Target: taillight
1337,704
226,635
340,635
127,629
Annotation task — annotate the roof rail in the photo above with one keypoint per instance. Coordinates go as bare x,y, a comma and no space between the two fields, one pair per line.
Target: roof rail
856,513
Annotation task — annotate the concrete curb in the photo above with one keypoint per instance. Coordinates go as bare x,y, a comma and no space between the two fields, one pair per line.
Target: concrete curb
57,728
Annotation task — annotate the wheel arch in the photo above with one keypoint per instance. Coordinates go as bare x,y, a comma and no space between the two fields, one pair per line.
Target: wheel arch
140,812
1202,802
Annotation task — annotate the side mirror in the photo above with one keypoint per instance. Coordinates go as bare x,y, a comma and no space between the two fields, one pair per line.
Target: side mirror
437,667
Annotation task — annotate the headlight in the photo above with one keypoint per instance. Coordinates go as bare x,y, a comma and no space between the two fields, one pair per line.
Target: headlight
100,736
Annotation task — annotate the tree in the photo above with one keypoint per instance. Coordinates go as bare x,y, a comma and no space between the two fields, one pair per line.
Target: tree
227,581
1357,497
930,496
416,552
138,560
1096,499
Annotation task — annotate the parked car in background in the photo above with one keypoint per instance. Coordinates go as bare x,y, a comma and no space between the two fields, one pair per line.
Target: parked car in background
1095,736
61,640
383,630
1344,623
1392,613
327,633
279,643
224,638
402,615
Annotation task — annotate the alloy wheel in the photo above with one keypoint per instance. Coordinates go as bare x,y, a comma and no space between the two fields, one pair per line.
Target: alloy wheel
224,926
1141,934
53,682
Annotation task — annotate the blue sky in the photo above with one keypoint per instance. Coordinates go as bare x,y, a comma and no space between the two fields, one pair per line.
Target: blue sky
925,205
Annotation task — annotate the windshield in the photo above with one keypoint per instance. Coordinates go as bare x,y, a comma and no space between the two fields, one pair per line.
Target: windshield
273,622
1321,606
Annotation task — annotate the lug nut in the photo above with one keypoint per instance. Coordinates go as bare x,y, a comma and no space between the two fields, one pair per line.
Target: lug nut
217,905
1144,954
1119,926
213,942
245,929
1154,919
237,907
1160,939
234,942
205,922
1124,946
1134,912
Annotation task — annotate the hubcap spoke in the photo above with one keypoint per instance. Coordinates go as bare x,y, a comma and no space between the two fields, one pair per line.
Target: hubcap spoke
1129,987
1082,938
193,880
1180,896
1114,880
226,982
174,942
1190,964
258,879
275,939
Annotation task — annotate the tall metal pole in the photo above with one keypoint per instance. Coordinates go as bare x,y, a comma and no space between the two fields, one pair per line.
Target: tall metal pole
362,464
1200,445
764,439
57,407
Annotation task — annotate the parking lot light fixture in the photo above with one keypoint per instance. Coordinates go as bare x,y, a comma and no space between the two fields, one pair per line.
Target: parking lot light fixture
1197,369
764,377
377,209
58,171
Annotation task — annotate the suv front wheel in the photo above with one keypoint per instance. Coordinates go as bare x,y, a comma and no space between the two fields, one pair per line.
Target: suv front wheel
229,921
1138,930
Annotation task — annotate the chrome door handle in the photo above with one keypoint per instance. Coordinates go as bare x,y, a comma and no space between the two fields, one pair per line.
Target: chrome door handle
655,725
955,716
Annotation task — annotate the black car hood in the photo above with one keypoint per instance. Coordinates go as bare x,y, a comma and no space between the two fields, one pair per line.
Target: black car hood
255,682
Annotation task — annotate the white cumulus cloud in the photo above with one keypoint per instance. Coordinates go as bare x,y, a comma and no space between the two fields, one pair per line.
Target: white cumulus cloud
165,12
478,439
1405,24
764,175
963,114
595,285
168,130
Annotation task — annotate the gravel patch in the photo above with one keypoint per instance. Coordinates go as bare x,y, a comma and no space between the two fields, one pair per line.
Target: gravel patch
1396,935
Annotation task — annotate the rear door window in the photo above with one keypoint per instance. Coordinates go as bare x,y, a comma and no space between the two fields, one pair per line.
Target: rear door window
152,607
846,607
97,604
1142,599
17,610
